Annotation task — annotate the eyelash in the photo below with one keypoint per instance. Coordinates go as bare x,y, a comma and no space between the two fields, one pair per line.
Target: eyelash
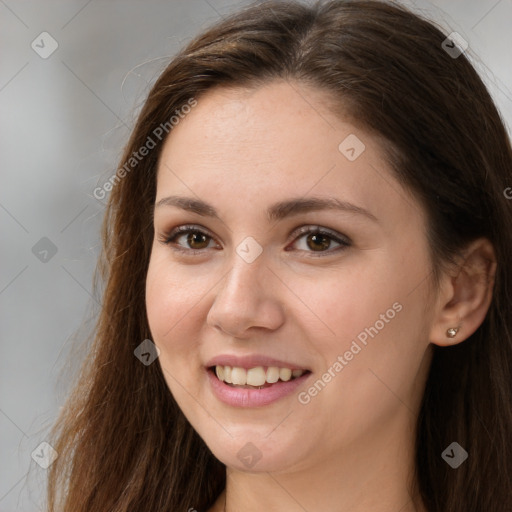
168,239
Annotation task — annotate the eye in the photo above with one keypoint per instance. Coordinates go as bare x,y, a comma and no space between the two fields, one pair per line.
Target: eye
197,239
317,239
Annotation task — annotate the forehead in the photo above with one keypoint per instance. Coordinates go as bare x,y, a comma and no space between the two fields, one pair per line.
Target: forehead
276,141
271,124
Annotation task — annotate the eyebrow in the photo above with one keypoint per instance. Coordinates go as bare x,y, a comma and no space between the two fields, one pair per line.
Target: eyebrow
277,211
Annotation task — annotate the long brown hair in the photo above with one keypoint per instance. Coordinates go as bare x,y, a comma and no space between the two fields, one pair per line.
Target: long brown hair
123,443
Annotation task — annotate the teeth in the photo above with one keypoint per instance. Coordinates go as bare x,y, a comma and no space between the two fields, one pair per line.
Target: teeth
239,376
272,374
285,374
256,376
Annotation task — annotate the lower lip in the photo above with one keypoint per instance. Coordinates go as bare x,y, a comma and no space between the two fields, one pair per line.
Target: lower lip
243,397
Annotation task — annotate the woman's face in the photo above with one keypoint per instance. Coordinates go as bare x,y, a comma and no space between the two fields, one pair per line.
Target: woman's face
248,291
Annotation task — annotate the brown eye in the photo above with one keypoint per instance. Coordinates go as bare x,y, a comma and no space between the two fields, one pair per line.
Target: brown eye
319,240
199,238
195,239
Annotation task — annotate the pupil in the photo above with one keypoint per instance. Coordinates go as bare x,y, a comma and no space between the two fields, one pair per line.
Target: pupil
315,238
192,236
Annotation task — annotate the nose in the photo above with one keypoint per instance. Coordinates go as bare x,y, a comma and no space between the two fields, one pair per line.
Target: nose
247,300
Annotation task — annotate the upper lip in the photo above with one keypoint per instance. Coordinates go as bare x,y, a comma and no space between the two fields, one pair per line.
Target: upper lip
251,361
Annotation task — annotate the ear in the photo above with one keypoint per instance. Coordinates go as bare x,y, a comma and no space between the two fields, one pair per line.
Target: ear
465,294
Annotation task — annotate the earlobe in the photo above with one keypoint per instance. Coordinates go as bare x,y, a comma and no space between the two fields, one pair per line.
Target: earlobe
466,296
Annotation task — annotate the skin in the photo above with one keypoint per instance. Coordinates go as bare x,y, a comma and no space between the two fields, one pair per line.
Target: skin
351,447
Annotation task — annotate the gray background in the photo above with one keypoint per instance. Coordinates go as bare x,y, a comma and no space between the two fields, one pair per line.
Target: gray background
65,119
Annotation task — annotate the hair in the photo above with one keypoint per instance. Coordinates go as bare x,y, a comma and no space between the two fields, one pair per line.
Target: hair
123,442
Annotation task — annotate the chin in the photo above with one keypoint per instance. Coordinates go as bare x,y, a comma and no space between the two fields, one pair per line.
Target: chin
255,453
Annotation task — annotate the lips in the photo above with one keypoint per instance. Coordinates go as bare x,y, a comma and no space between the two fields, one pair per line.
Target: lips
254,380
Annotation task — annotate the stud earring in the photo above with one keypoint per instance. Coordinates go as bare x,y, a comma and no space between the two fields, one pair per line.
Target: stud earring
451,332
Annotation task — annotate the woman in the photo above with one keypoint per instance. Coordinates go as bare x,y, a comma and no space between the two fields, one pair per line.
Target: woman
307,301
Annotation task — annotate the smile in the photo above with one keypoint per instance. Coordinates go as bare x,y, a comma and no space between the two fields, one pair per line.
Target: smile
255,377
256,386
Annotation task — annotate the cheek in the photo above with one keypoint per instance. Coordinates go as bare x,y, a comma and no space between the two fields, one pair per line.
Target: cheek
369,372
172,293
171,303
373,317
343,301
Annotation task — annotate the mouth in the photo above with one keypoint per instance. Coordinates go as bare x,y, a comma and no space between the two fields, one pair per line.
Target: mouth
256,386
258,377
